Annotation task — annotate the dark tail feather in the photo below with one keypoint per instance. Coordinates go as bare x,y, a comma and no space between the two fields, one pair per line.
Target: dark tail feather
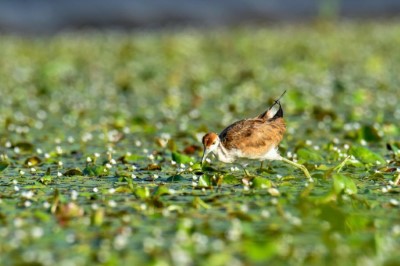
268,114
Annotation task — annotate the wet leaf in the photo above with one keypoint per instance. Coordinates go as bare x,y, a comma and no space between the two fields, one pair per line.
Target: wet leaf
46,179
97,217
207,181
181,158
365,155
3,166
142,192
175,178
161,190
198,203
73,172
342,183
24,147
308,155
32,161
93,170
231,180
152,167
260,183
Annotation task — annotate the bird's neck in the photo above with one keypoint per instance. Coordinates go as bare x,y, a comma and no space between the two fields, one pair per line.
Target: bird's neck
223,155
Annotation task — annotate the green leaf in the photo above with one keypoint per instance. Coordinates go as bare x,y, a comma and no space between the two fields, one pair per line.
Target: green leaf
24,146
72,172
142,192
366,156
342,183
309,155
3,165
260,183
175,178
181,158
196,167
46,179
32,161
207,181
230,179
161,190
198,203
94,170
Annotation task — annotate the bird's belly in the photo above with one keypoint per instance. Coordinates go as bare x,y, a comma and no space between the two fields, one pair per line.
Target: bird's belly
270,154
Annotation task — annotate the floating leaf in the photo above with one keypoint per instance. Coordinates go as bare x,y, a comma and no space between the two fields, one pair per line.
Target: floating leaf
342,183
230,179
3,165
32,161
198,203
67,211
142,192
72,172
207,181
124,174
366,156
181,158
152,167
123,189
46,179
97,217
309,155
24,146
369,133
132,158
93,170
260,183
161,190
175,178
196,167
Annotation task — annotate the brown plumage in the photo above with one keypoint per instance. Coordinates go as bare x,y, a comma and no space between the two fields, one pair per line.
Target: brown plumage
254,138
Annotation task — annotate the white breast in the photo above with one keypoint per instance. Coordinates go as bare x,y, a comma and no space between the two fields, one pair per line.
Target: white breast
230,156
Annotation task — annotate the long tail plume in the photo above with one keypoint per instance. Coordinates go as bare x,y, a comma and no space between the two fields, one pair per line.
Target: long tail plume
270,114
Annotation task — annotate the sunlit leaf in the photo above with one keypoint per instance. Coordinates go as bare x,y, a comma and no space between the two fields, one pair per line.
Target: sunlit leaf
181,158
365,155
32,161
342,183
94,170
260,183
309,155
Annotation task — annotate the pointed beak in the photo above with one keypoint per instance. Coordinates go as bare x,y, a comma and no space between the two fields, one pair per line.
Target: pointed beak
205,153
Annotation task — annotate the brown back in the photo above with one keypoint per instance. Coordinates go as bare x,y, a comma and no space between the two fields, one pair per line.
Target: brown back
254,136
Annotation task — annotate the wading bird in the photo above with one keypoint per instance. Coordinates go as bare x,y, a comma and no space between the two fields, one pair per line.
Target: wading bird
251,139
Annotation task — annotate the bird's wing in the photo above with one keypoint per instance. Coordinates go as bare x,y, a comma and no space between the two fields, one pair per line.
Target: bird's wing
274,112
253,135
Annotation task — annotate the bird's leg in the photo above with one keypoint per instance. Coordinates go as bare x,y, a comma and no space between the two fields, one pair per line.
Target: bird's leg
300,166
261,165
244,169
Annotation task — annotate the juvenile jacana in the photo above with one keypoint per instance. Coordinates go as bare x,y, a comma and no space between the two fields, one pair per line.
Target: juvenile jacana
251,139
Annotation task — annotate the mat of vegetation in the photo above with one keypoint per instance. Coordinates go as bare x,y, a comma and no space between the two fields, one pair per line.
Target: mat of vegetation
100,143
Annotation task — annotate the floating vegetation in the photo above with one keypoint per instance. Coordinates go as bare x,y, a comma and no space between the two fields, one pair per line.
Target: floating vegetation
100,147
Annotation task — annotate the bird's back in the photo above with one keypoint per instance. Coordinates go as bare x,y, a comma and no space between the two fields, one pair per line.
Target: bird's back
255,137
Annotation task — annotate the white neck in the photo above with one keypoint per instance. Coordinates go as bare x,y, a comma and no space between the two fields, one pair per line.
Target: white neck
223,155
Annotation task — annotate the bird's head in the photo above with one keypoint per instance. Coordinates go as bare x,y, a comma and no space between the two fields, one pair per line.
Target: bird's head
210,144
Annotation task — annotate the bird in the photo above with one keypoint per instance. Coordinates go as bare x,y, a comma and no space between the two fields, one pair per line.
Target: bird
254,138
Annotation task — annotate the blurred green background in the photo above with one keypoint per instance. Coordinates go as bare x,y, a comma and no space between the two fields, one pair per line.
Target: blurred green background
100,143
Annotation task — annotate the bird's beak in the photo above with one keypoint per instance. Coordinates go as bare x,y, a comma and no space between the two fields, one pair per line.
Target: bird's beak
205,153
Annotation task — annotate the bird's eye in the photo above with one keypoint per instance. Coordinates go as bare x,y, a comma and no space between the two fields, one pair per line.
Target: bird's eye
214,143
